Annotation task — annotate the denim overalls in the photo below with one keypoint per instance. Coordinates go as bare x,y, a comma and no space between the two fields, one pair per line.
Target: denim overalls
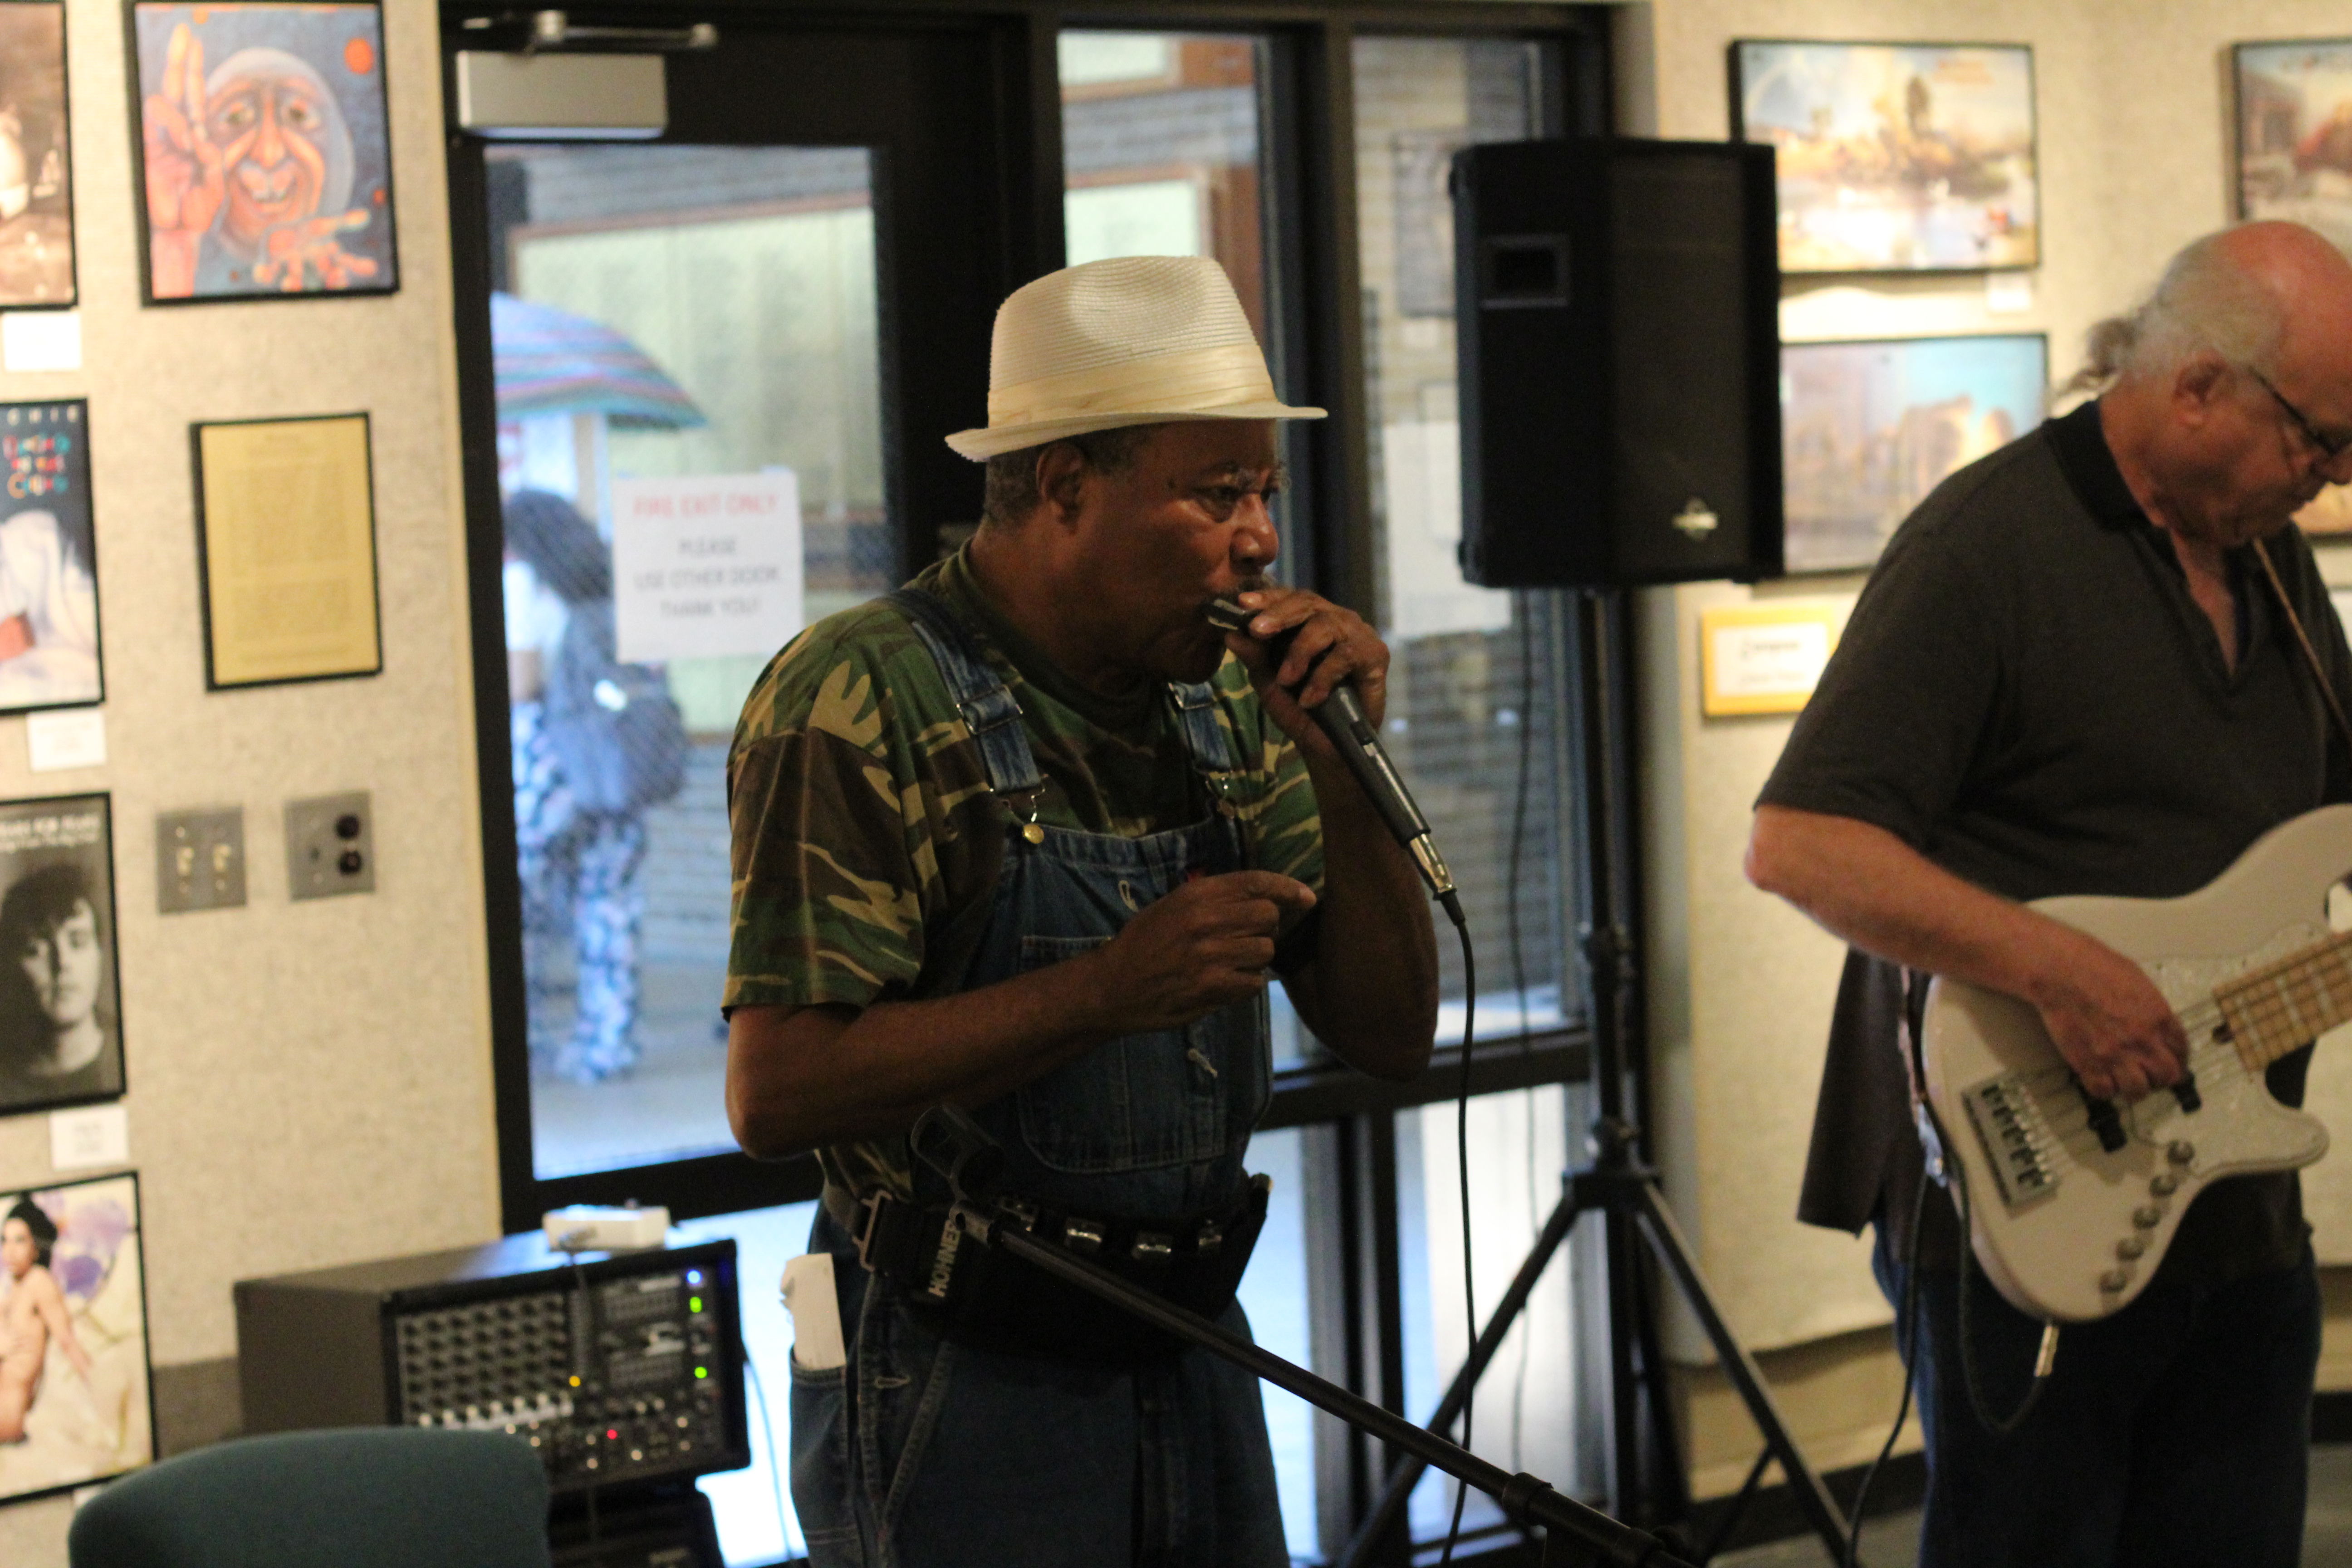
922,1453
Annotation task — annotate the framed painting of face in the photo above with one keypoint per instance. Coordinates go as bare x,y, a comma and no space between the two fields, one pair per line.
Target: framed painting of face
75,1400
265,155
60,998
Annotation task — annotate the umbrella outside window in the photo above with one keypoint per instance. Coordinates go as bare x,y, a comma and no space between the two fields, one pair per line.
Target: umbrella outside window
563,381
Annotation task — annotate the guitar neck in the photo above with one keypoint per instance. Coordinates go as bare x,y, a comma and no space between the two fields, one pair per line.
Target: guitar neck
2288,1003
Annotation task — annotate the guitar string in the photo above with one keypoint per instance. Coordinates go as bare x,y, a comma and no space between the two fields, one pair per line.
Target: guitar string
2317,970
2067,1132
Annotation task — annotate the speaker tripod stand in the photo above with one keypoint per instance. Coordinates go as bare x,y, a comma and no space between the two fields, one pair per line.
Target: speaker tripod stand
1624,1192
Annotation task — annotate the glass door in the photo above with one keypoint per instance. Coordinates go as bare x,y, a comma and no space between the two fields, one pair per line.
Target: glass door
706,376
689,445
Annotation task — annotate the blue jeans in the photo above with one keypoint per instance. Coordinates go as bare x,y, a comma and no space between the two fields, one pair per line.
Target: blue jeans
2175,1434
921,1454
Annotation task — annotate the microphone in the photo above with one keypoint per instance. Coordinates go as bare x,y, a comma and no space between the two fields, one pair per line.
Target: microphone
1341,717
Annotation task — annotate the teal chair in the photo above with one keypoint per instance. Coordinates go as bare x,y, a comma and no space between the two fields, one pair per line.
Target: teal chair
363,1497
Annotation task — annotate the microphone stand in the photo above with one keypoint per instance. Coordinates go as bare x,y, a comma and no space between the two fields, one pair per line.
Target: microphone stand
948,1141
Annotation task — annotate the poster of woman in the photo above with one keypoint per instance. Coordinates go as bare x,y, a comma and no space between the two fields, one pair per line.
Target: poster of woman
74,1400
264,154
49,560
60,1017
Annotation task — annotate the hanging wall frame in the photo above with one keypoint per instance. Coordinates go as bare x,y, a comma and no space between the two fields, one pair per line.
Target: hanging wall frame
61,997
81,1410
265,154
37,221
1896,157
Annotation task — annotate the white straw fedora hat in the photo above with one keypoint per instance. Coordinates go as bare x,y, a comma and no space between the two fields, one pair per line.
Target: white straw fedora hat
1132,340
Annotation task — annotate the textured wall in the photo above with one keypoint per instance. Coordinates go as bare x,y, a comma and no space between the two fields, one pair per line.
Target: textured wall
2134,140
309,1083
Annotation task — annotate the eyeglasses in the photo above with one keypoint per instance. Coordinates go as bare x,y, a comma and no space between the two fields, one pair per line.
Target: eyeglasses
2330,448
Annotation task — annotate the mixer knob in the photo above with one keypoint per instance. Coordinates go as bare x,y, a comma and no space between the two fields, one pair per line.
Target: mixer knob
2146,1215
2114,1279
2180,1151
2130,1247
2164,1184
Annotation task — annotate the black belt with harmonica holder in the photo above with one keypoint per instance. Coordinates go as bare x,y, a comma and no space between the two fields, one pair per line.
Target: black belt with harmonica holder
978,1295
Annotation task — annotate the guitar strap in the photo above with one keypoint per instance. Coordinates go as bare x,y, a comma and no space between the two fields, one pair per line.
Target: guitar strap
2310,653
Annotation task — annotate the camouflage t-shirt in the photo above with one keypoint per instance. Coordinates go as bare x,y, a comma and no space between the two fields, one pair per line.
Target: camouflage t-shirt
863,827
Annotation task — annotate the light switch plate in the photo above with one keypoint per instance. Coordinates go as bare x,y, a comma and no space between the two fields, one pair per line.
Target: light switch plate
329,845
200,860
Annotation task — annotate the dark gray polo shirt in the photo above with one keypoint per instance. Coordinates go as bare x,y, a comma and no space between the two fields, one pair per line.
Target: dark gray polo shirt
2028,696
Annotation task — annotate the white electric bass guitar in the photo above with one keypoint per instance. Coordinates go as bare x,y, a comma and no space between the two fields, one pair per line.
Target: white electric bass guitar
2072,1201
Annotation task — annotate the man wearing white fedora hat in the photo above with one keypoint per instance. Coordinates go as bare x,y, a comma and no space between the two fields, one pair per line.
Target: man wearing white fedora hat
1028,837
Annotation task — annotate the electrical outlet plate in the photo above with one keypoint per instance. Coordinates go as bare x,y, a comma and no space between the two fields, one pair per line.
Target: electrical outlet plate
329,845
200,860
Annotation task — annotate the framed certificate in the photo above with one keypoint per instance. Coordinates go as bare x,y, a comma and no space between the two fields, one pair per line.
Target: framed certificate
1764,658
286,549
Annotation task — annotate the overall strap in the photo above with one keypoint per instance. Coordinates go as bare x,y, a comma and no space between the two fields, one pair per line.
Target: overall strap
1196,713
987,705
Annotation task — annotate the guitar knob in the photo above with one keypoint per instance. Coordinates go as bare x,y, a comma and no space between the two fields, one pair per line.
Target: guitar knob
2145,1217
2130,1247
2114,1280
2180,1151
2164,1184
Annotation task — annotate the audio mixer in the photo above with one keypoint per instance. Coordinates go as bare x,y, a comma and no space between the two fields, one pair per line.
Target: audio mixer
625,1367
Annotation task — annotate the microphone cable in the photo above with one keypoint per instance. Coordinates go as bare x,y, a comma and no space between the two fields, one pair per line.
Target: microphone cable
1906,1347
1523,607
1451,901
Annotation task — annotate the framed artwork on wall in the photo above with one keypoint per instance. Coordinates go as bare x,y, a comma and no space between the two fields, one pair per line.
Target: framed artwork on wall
265,155
49,647
1896,157
60,994
76,1406
1868,429
286,548
2294,133
36,229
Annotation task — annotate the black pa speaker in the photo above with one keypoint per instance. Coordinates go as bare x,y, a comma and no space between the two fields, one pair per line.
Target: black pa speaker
1618,304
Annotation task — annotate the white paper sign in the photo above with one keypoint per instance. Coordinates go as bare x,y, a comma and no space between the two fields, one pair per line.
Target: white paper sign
66,738
1421,463
2009,293
706,567
94,1135
40,339
1770,661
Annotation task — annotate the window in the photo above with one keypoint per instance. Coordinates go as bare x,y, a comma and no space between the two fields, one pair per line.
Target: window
1163,149
1525,1405
688,403
1474,692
